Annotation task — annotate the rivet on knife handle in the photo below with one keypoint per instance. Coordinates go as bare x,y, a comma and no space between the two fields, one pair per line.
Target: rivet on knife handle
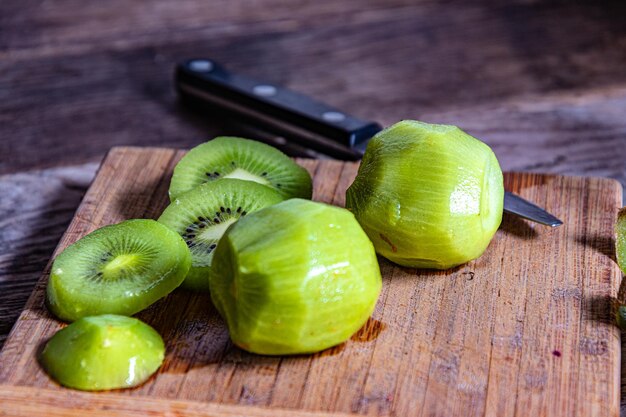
285,112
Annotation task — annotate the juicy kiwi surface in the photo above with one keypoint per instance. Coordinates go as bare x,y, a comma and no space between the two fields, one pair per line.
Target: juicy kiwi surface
244,159
202,215
103,352
118,269
620,241
428,196
296,277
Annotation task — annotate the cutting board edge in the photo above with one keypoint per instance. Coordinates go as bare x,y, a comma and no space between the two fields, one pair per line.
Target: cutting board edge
122,148
24,401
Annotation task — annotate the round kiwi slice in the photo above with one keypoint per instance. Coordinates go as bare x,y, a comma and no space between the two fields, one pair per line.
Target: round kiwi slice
103,352
118,269
296,277
244,159
202,215
428,196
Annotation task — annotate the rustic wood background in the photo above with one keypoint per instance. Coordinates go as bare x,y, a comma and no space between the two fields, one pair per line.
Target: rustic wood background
542,82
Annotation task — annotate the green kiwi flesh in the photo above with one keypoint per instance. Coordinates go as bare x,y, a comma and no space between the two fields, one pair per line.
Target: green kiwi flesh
103,352
428,196
117,269
620,240
296,277
202,215
244,159
621,317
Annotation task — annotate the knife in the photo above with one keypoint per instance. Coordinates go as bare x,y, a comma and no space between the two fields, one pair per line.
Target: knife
299,118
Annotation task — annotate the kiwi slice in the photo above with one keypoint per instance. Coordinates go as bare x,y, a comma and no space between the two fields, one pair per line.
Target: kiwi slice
244,159
103,352
118,269
296,277
620,241
428,196
202,215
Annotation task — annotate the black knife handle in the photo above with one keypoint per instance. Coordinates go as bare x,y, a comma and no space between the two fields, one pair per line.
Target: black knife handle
276,108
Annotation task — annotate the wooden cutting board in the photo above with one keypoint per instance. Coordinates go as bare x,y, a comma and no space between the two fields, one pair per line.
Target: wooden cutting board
525,330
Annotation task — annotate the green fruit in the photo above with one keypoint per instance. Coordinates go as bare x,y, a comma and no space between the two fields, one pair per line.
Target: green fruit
202,215
118,269
296,277
103,352
621,317
428,196
620,241
244,159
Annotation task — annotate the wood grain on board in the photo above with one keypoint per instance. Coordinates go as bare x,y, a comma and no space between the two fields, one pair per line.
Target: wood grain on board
526,329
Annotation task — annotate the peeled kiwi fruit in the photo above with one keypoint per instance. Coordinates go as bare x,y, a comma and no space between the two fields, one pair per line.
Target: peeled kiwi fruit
244,159
103,352
295,277
118,269
202,215
428,196
620,241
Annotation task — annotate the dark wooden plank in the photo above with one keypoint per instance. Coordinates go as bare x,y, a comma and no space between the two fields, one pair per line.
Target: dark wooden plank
525,329
76,80
35,210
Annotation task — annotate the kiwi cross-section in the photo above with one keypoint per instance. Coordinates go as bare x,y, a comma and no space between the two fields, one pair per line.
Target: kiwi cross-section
103,352
244,159
296,277
202,215
117,269
428,196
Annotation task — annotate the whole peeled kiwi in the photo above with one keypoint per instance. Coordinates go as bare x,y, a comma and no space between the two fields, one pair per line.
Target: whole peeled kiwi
428,196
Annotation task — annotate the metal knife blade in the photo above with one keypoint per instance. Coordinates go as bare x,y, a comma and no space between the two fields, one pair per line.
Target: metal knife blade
515,204
298,118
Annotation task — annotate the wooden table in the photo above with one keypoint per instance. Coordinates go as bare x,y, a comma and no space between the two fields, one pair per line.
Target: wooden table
542,82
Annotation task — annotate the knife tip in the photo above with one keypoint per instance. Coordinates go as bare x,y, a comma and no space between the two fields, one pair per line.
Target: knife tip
555,223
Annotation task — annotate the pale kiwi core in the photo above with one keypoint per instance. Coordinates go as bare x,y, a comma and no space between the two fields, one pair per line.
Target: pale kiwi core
242,174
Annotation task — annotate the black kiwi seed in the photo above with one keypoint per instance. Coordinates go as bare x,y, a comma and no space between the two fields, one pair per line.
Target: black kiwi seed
216,174
228,210
238,209
201,218
243,213
213,246
222,209
264,174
